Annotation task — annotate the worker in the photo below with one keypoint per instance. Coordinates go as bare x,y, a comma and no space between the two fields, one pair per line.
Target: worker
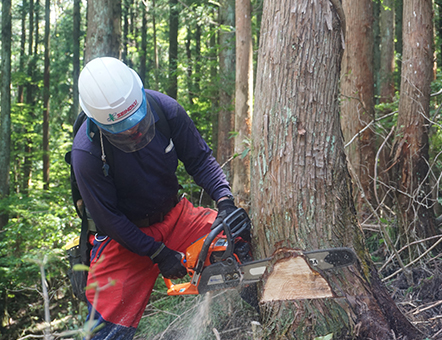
141,226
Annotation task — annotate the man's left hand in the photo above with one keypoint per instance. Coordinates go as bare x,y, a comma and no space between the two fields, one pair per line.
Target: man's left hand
225,208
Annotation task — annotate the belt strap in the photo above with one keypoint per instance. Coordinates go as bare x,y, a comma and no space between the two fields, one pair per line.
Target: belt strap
145,222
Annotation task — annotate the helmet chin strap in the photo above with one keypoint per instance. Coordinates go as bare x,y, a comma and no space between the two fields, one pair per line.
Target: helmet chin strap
105,166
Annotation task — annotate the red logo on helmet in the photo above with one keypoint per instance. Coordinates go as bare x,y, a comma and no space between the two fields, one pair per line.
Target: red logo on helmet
130,108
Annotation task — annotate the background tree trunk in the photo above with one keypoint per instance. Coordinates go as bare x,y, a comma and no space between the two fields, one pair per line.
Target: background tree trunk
46,96
155,47
143,50
31,70
22,49
103,29
243,103
357,106
76,60
226,119
5,113
125,10
301,189
172,90
410,148
387,61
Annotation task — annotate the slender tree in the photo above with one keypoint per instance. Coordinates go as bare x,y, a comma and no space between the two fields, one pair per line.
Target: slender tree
125,10
387,58
46,95
243,101
172,89
143,50
20,98
30,101
214,93
76,59
227,85
5,113
103,29
301,188
155,47
410,148
357,105
188,43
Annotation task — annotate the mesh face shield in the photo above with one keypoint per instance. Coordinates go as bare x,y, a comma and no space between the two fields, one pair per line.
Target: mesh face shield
133,133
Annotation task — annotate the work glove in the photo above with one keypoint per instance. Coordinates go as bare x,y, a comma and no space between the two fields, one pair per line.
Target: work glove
169,262
225,208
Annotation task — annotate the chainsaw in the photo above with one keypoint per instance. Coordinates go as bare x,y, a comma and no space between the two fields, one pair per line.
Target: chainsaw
221,259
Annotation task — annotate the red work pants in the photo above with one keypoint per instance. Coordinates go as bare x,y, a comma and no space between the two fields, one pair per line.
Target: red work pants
121,306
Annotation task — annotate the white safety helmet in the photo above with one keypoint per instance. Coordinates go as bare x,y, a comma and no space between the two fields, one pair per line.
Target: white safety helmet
113,97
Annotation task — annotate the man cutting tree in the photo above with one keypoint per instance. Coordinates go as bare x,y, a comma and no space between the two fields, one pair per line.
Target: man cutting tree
141,226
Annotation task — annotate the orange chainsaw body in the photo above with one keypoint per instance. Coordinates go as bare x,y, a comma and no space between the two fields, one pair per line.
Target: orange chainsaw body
210,261
190,259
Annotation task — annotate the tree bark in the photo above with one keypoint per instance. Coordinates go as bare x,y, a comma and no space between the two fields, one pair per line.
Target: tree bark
5,113
243,103
357,106
301,188
410,148
226,119
103,29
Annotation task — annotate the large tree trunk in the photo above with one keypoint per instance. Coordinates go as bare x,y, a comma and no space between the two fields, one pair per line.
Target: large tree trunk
243,102
410,148
5,112
227,87
103,29
357,105
301,189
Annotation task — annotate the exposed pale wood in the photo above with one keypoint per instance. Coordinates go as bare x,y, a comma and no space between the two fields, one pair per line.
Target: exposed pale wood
293,279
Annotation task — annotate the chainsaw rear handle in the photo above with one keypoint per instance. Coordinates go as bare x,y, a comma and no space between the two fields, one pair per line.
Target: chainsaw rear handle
243,222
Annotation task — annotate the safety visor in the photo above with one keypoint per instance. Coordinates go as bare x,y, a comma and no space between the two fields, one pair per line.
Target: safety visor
128,122
134,132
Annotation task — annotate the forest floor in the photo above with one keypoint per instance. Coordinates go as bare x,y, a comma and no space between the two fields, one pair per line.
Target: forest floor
223,315
421,302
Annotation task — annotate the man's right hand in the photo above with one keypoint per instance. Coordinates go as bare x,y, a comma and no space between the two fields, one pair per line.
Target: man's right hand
169,262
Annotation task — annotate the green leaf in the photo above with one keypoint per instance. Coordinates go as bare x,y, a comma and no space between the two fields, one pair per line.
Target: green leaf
80,267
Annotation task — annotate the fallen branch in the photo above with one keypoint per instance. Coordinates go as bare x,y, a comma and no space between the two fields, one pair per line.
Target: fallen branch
407,246
412,262
428,307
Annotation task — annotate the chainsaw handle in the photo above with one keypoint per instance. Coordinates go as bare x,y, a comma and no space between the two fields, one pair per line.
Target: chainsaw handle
225,225
206,245
168,283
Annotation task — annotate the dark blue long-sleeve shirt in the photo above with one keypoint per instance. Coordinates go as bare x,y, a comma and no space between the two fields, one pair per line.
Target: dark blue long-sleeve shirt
143,182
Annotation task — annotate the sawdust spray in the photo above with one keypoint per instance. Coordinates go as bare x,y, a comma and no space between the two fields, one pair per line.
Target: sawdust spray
200,320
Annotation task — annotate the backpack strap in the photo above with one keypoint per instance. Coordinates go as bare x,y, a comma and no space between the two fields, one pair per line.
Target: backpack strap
162,124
